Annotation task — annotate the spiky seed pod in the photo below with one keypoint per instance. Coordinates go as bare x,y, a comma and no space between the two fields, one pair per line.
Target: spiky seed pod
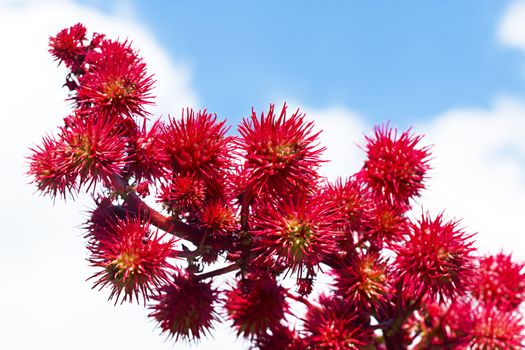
500,282
335,325
48,168
256,305
396,166
494,329
133,261
68,46
100,226
146,162
281,153
94,150
184,307
436,259
116,82
386,223
197,145
353,202
362,280
218,219
183,193
297,234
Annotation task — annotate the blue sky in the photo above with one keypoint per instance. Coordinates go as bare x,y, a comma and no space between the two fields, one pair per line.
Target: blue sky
454,70
397,60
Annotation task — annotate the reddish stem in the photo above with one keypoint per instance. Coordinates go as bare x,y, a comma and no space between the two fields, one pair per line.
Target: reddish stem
221,271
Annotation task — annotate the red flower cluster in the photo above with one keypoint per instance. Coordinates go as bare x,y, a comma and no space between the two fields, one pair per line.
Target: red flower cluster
256,203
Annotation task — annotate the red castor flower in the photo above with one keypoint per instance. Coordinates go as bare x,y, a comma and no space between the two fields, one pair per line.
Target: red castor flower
183,193
256,305
218,219
48,167
436,259
297,234
362,280
134,261
185,307
116,82
281,153
335,325
68,45
95,151
352,201
146,162
102,222
395,167
500,282
489,328
197,144
386,223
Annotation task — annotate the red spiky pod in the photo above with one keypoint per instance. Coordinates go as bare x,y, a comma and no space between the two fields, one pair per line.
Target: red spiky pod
69,46
491,328
396,167
500,282
435,259
296,234
197,145
146,162
95,150
281,153
386,223
335,324
362,280
185,308
256,305
48,167
185,193
116,82
133,261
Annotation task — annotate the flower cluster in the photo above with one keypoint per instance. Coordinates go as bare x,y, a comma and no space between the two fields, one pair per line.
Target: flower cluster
254,204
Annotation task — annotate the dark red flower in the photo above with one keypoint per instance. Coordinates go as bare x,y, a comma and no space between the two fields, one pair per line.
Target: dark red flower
281,153
95,150
185,307
116,82
218,219
335,325
146,162
352,201
395,167
494,329
500,282
297,234
133,261
256,305
436,259
102,221
197,144
386,222
183,193
68,45
48,167
362,280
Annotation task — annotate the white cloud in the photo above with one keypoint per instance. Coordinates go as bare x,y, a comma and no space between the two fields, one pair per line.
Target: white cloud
45,301
511,30
342,134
